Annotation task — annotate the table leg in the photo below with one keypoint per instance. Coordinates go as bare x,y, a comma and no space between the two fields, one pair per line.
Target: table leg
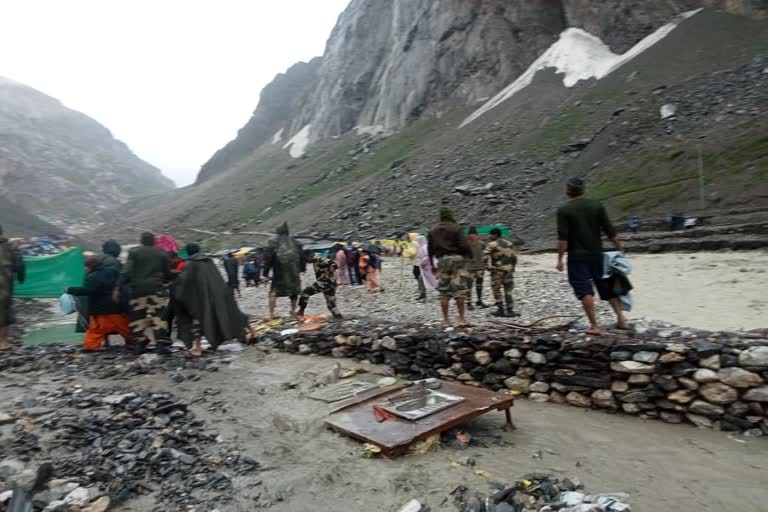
509,426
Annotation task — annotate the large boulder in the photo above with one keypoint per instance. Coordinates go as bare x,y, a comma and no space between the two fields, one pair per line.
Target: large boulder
754,357
739,378
518,384
719,393
632,367
757,395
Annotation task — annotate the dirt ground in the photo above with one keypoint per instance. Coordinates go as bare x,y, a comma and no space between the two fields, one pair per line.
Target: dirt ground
663,467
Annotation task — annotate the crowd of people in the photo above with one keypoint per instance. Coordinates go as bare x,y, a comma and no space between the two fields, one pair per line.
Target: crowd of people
155,288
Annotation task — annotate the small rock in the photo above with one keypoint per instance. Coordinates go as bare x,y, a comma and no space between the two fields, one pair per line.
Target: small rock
757,395
705,375
688,383
739,378
668,110
539,387
6,418
719,393
705,408
678,348
603,398
304,350
6,497
518,384
645,357
712,362
538,397
682,396
578,399
339,352
556,397
536,358
10,467
525,373
619,386
754,357
630,408
79,497
699,421
639,379
632,367
482,357
389,343
100,505
513,353
670,417
671,357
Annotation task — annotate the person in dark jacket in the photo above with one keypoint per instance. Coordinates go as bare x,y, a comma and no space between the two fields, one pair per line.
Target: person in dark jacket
11,266
110,259
205,305
111,250
231,267
146,273
251,271
284,258
105,316
447,244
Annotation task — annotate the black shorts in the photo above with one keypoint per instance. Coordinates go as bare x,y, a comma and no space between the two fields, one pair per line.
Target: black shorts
585,274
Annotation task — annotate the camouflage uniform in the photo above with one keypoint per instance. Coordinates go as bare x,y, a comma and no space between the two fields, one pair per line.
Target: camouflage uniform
503,261
325,273
147,317
452,276
476,271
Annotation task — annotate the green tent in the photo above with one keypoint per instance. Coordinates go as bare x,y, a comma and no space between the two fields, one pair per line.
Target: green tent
49,276
484,230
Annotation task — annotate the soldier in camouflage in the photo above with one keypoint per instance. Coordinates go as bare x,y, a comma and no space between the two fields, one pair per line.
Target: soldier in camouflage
476,269
325,273
11,267
503,261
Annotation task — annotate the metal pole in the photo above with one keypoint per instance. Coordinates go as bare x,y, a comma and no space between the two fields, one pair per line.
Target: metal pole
702,201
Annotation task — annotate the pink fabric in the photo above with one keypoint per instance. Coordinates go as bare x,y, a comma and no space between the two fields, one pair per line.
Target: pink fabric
342,275
426,269
166,243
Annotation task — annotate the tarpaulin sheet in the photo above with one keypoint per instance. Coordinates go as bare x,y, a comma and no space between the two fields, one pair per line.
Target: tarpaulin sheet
49,276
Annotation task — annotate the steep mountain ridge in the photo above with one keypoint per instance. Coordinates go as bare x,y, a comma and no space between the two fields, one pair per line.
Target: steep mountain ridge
62,165
378,77
508,166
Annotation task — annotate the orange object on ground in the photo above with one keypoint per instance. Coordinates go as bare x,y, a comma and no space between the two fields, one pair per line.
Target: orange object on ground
99,326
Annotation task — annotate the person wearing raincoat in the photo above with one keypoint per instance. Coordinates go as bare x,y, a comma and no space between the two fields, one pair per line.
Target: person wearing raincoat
284,258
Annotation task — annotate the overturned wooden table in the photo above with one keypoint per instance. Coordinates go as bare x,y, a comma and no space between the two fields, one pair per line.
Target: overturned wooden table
355,417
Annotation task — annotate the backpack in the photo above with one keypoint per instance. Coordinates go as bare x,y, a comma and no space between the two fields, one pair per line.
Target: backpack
375,261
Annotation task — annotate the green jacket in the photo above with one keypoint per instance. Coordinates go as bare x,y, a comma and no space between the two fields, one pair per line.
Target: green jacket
146,270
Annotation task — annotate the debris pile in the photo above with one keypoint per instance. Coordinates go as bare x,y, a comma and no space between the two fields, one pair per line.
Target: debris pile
112,363
41,246
539,492
712,380
116,444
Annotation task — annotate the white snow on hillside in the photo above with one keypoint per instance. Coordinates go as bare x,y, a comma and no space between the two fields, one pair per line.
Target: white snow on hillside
298,143
577,55
369,130
277,138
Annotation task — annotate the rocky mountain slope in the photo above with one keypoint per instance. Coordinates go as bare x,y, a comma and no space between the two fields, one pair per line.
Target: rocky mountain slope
62,165
380,142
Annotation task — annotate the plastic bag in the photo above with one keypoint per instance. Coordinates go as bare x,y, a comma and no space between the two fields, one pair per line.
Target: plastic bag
67,304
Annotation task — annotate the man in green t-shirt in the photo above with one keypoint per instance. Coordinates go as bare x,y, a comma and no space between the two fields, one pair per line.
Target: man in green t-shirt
580,225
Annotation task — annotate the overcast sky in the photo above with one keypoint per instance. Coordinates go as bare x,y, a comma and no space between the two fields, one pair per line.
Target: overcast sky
174,79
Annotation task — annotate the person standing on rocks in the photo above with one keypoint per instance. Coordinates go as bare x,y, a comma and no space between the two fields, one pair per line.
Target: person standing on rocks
476,268
147,273
446,243
502,257
411,256
580,225
11,266
206,305
231,267
284,258
325,273
105,315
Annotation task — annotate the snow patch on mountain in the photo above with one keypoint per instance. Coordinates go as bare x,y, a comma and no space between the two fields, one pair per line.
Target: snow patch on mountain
298,143
277,138
577,55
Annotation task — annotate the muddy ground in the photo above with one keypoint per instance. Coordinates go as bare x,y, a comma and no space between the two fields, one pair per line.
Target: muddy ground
663,467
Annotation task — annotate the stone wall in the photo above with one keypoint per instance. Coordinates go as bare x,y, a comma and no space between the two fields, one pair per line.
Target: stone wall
713,380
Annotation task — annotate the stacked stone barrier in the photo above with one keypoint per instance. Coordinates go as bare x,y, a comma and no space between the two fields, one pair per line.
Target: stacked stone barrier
711,380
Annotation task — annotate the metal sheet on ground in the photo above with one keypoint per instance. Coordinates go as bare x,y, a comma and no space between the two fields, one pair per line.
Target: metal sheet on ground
342,390
357,420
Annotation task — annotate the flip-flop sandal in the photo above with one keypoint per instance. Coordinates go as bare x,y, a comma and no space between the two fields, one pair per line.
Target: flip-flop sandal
594,333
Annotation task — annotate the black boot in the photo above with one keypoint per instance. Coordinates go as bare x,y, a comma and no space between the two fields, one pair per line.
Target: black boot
500,312
480,303
470,306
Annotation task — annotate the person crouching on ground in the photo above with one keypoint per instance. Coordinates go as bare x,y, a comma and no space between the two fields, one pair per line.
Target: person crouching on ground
447,244
105,315
325,275
206,305
580,224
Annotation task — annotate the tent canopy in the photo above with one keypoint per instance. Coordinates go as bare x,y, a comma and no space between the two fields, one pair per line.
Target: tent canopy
49,276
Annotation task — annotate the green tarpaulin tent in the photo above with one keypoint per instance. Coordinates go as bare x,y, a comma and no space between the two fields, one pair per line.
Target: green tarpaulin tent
484,230
48,276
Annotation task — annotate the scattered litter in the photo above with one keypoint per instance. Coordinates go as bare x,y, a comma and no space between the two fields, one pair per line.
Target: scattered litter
483,473
176,377
413,506
371,450
342,391
381,415
386,381
426,446
288,332
235,346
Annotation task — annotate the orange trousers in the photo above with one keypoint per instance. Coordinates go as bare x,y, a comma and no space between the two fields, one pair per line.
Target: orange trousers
372,280
100,326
